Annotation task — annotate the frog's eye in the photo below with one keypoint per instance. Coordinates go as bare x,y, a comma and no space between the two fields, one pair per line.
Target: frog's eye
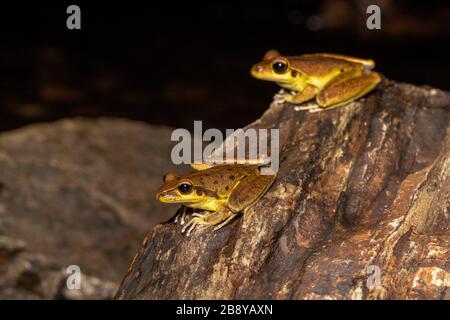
279,67
185,188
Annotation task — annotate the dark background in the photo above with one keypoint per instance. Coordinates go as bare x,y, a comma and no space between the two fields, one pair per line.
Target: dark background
174,62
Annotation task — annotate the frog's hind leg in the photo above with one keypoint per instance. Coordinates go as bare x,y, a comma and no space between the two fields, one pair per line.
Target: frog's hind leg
346,89
220,225
248,191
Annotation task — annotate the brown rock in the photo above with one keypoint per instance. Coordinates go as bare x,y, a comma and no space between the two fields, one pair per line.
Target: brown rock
77,192
359,210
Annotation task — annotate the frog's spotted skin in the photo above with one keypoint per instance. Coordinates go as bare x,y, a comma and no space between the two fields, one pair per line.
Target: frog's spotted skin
332,80
223,191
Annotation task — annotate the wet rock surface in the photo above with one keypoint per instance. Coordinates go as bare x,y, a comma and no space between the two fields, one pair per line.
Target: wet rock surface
359,210
77,192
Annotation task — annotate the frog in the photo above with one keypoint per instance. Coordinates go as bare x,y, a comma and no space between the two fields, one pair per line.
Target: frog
333,80
220,191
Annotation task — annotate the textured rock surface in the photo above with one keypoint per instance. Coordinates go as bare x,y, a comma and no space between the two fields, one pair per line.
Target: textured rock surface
363,194
76,192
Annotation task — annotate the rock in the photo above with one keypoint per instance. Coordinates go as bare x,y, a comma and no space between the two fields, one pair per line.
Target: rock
359,210
36,276
77,192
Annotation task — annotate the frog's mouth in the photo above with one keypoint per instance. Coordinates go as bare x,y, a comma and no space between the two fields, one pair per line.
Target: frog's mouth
169,198
166,198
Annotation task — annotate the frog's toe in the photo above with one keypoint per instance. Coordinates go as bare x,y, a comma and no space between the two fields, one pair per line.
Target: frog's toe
181,214
309,106
313,110
222,224
280,95
279,98
199,214
190,226
283,96
190,229
187,225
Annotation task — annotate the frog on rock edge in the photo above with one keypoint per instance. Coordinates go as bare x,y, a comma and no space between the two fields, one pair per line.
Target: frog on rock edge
222,191
333,80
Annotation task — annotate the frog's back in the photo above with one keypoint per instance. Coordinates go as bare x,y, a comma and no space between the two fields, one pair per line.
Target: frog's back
222,178
365,62
325,63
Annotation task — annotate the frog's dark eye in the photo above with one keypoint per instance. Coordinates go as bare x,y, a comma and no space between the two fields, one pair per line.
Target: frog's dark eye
185,188
279,67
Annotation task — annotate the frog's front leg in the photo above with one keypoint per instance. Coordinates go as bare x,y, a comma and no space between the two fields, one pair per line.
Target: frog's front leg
299,97
218,218
282,95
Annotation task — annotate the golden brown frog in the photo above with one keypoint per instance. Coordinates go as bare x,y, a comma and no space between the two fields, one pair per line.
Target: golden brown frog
332,79
223,191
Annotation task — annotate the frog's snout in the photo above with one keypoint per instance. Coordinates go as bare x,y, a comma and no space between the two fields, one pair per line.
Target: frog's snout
164,197
257,70
161,197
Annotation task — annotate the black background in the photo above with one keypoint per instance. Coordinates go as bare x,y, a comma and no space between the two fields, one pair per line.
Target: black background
286,309
174,62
